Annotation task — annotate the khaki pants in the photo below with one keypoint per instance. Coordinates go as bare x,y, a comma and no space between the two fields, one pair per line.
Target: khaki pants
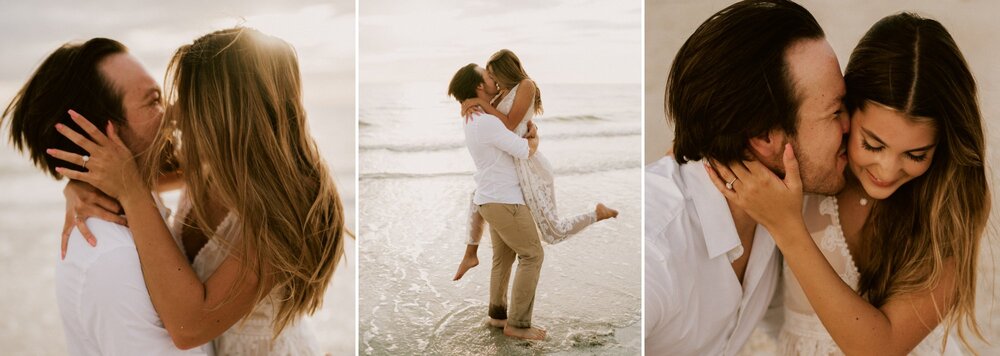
513,233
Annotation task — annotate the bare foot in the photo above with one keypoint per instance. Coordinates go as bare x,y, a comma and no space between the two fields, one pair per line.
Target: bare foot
524,333
497,323
467,263
604,212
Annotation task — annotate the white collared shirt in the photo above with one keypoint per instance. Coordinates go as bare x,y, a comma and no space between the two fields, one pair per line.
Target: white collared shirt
493,148
694,303
103,301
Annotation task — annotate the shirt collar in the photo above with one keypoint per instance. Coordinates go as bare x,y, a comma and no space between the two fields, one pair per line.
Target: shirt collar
716,220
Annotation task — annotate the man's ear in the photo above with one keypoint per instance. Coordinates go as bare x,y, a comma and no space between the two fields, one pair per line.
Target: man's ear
768,148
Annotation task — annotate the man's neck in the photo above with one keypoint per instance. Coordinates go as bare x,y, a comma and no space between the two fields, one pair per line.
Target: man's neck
741,219
746,226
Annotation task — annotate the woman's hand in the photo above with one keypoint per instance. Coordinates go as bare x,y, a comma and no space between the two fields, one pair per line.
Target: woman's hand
473,106
771,201
109,163
532,130
84,201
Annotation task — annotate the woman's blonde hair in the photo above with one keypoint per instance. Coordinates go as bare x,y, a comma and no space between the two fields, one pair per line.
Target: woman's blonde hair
912,64
508,72
236,117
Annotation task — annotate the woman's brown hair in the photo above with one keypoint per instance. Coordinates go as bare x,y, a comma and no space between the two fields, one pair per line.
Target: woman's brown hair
912,65
236,114
508,72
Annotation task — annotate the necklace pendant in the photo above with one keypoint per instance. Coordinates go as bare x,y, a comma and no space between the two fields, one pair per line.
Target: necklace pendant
864,202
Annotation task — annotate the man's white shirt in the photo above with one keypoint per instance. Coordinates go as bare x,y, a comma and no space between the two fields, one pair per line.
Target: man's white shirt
493,148
694,303
103,301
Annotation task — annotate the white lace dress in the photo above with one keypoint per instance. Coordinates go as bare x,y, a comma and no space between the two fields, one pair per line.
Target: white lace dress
802,332
538,187
252,334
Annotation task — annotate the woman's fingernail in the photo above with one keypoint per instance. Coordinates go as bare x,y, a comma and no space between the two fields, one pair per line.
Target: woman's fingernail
59,169
49,150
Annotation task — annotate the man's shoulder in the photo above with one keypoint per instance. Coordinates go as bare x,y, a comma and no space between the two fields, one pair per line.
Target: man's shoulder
665,194
485,120
114,241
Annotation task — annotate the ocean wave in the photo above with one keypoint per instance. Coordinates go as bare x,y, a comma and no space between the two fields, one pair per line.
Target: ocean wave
570,118
567,171
445,146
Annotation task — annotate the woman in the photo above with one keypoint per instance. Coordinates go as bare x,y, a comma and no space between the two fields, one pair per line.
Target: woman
260,215
902,238
518,102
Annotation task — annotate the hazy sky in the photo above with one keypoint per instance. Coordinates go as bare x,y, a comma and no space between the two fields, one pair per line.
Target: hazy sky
557,41
321,31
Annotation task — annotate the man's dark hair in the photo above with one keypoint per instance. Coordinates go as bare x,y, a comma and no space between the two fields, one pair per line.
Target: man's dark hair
463,85
730,82
68,79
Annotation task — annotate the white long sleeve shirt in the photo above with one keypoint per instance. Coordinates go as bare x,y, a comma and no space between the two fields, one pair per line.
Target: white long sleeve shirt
493,148
103,301
694,303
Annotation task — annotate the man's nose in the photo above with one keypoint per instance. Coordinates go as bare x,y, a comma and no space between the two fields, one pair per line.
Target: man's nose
845,123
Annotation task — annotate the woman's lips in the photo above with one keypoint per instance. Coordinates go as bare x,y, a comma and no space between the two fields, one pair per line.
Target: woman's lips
878,182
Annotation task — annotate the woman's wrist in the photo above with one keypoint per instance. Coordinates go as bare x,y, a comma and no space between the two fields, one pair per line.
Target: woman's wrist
789,233
134,197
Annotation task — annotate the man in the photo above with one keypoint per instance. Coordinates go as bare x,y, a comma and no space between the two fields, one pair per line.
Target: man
500,202
753,77
102,296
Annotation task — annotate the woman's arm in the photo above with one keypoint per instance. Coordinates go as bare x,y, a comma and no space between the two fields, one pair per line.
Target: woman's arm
855,325
523,99
192,311
84,201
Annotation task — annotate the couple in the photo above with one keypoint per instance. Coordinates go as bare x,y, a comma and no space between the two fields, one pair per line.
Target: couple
260,227
875,256
514,186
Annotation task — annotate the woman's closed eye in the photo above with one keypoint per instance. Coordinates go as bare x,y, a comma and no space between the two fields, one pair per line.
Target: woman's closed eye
910,155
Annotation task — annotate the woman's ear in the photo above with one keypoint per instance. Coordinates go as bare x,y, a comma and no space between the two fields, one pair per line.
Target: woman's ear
768,148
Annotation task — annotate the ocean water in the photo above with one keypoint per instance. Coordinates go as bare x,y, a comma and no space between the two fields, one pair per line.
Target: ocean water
415,179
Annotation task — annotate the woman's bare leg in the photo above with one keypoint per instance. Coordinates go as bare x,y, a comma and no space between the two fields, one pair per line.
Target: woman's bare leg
471,258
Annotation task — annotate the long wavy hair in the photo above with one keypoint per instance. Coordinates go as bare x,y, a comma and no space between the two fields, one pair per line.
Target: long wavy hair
236,118
508,72
912,65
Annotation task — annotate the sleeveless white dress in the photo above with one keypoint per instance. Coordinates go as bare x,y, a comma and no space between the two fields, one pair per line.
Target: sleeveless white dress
538,187
252,334
802,332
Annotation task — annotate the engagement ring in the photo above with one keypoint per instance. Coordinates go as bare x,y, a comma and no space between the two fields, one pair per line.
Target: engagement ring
729,185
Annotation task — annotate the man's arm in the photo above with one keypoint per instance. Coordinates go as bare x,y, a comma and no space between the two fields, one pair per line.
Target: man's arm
492,131
657,298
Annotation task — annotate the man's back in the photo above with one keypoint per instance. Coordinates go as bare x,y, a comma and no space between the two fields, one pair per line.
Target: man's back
103,301
493,148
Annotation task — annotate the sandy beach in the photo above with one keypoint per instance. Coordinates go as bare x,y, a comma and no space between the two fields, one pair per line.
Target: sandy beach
971,24
416,177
